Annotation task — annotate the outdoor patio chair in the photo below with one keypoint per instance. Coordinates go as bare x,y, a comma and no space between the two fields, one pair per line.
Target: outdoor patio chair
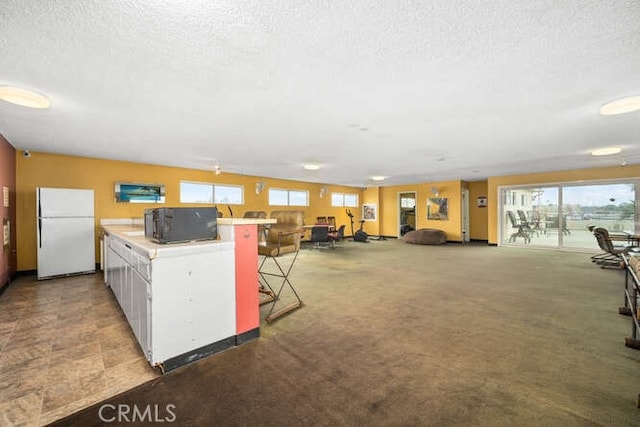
605,243
521,229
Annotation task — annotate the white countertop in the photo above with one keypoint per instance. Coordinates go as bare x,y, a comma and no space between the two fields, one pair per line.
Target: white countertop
244,221
134,236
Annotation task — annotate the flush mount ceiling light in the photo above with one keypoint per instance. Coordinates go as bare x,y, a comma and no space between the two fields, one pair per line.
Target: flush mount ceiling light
620,106
23,97
311,166
378,178
606,151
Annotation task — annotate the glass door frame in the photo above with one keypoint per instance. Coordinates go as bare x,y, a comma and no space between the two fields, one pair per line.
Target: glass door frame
501,211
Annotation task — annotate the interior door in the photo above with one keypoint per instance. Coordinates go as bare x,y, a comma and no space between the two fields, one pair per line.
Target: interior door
465,215
406,212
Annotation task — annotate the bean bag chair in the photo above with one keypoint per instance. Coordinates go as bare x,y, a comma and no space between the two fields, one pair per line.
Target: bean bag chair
426,236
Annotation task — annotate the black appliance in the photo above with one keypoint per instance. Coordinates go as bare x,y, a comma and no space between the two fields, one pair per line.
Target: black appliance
173,225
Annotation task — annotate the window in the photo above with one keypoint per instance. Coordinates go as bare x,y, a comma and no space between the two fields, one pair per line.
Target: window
201,192
523,200
345,200
228,194
407,202
279,197
558,215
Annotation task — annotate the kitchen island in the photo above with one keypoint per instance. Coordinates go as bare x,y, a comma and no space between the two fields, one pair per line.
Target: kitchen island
185,301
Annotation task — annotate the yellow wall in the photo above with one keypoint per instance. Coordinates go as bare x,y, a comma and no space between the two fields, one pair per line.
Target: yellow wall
370,195
478,224
51,170
446,189
631,171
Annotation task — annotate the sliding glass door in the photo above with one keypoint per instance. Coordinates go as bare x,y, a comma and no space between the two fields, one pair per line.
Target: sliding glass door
559,215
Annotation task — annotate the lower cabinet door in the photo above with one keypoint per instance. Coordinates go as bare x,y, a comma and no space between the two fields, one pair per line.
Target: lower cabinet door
140,311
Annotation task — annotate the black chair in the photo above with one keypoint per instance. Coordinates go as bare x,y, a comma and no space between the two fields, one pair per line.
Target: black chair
320,237
521,229
338,234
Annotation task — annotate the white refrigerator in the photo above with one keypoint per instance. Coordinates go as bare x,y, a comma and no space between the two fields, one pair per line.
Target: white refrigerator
66,232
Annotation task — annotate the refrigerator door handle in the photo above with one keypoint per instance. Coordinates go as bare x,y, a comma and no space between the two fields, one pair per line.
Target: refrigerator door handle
39,221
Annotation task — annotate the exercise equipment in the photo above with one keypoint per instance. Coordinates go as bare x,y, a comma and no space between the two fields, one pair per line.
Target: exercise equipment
360,235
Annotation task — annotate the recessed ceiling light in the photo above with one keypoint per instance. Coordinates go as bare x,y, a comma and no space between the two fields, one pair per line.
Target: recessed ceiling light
606,151
620,106
311,166
23,97
378,178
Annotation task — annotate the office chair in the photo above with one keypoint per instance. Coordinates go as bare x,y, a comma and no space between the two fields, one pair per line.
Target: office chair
283,238
338,234
320,237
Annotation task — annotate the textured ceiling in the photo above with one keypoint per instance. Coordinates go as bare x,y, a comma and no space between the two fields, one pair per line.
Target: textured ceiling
416,91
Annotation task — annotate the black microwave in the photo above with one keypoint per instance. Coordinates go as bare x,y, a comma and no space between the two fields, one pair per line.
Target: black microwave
174,225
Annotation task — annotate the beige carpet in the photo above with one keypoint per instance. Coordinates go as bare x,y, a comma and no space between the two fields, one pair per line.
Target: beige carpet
397,334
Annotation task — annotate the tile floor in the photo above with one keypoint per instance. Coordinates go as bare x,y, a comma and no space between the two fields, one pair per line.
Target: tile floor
64,345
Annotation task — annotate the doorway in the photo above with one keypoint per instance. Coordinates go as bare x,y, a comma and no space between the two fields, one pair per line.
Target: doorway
406,212
465,216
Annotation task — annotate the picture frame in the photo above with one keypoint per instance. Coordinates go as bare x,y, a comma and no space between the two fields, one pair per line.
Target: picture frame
482,202
369,212
438,209
130,192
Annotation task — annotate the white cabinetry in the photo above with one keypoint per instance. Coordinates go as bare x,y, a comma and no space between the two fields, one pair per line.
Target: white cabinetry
128,286
178,299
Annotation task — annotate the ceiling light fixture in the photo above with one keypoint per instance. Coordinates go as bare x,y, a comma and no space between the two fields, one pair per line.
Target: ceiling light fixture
621,106
23,97
606,151
217,170
378,178
311,166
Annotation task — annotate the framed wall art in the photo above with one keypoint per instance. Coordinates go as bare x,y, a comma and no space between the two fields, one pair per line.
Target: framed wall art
127,192
438,208
369,212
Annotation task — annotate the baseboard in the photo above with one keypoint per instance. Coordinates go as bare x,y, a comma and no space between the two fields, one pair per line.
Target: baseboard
199,353
5,286
248,336
26,273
